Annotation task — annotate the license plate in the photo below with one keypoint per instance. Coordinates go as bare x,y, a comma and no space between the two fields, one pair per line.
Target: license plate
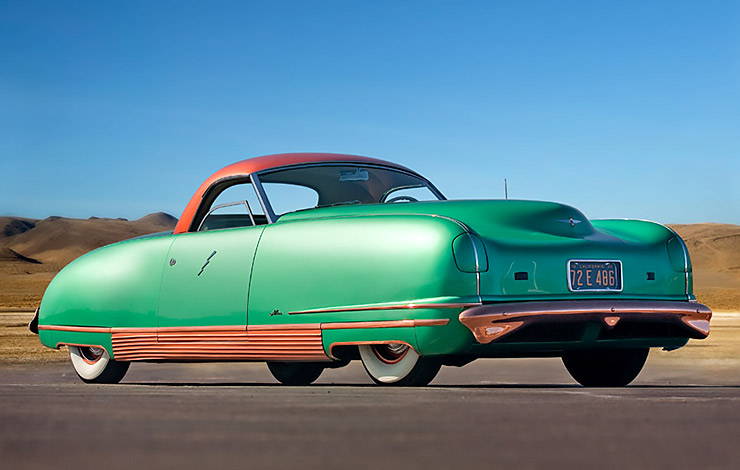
590,276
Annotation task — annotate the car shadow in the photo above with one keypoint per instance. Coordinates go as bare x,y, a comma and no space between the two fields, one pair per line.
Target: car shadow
432,387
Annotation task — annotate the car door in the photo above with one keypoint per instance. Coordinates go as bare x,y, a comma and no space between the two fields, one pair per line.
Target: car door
206,278
207,271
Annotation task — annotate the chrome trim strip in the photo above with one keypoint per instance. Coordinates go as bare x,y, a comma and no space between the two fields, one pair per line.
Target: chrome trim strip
249,209
401,306
477,286
384,324
475,249
685,260
228,204
477,265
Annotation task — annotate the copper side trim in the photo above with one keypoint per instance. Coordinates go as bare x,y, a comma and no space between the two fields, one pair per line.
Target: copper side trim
289,326
167,329
291,342
404,306
190,330
81,329
383,324
255,342
480,319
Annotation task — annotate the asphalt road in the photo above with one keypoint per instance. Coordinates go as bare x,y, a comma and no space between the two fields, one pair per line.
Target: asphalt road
490,414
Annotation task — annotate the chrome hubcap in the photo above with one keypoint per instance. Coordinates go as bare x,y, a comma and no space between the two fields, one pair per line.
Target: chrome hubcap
390,353
91,354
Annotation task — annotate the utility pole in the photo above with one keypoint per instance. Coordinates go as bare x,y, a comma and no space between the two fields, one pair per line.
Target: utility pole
506,189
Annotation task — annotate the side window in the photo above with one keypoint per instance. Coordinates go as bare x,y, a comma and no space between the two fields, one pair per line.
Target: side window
286,198
236,206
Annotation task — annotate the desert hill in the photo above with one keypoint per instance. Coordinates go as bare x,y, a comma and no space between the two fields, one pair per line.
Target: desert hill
159,218
10,226
33,251
715,255
59,240
713,247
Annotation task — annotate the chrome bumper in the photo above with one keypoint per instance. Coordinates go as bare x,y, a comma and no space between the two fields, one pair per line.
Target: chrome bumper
491,322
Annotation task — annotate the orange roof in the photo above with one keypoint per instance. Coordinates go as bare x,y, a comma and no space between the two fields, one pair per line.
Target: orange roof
257,164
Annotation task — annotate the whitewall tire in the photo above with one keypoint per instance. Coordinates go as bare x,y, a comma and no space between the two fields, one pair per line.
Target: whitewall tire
94,365
397,364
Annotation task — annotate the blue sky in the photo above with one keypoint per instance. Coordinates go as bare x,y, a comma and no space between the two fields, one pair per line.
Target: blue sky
622,109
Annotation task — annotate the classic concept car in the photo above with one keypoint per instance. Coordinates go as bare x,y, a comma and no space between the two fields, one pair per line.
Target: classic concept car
308,261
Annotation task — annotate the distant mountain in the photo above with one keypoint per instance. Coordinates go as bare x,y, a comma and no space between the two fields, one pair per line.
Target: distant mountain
59,240
713,247
158,218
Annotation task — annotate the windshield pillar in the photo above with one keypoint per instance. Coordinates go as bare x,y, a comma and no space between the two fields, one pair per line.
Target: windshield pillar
262,196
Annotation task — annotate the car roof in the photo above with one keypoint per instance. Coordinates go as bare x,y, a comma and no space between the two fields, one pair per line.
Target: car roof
268,162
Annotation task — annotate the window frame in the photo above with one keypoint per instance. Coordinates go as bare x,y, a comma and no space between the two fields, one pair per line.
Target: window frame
221,185
244,203
214,191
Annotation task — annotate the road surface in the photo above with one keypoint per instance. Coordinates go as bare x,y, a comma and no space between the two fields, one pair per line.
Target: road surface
523,413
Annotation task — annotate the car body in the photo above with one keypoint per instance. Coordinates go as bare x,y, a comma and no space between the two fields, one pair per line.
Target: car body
365,269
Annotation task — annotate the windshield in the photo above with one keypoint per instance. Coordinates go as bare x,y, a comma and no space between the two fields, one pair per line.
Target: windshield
329,185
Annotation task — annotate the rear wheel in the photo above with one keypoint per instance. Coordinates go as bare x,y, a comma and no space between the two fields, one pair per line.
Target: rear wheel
94,365
295,373
605,368
398,364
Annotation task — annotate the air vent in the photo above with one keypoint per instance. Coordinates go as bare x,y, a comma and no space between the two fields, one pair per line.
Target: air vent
521,276
650,276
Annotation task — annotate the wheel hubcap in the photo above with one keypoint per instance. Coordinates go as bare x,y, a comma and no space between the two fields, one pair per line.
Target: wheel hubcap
390,353
90,354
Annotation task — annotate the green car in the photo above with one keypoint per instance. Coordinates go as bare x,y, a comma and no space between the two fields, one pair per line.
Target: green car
308,261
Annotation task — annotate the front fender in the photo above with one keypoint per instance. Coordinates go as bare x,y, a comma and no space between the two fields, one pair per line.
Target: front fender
117,285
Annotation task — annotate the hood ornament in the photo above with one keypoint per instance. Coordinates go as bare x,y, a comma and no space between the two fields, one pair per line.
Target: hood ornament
570,221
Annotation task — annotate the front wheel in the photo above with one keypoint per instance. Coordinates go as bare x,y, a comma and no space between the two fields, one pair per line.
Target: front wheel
605,368
398,364
94,365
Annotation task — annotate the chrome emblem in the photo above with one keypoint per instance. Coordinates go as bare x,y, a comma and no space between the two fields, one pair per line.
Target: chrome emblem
208,260
570,221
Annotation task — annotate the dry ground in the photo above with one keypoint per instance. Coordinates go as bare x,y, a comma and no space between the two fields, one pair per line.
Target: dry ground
18,345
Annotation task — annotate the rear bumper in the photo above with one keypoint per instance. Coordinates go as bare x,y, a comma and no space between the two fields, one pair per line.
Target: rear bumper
619,318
